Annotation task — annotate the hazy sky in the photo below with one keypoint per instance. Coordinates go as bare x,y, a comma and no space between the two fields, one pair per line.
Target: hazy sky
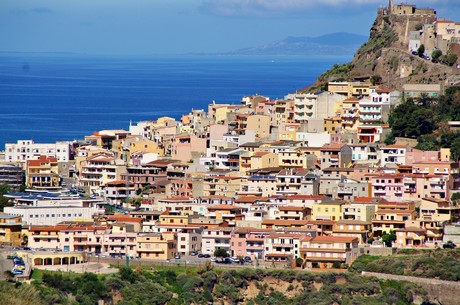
178,26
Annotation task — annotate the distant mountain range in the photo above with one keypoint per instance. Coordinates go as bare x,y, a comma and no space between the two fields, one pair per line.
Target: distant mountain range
330,44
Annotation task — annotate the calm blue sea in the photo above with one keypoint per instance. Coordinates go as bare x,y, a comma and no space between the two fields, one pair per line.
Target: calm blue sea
50,97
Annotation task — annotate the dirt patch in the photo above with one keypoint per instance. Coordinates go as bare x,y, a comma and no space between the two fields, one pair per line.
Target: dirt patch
251,291
340,280
317,285
288,289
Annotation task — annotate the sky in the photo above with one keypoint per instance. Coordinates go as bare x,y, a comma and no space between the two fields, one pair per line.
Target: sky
181,26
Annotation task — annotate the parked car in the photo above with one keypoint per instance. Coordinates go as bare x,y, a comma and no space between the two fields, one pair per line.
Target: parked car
449,245
227,260
213,259
26,248
207,256
200,255
16,271
194,253
414,53
177,256
247,259
234,259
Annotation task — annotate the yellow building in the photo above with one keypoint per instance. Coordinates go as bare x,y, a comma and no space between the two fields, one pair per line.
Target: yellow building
338,87
292,159
260,124
42,172
263,160
145,146
327,210
181,217
226,186
227,212
10,230
360,88
288,131
221,112
156,246
331,125
163,121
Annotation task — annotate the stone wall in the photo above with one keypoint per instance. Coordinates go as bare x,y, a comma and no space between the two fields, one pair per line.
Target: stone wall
440,292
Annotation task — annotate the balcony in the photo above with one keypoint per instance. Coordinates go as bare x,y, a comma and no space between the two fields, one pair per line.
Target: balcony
376,111
45,236
283,245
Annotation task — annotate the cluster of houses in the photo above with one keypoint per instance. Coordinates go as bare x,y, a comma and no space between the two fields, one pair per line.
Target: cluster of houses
304,178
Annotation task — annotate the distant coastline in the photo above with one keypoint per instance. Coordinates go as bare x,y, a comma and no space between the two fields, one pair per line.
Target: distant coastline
65,97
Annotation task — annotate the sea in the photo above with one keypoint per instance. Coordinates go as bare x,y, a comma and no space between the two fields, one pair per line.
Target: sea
49,97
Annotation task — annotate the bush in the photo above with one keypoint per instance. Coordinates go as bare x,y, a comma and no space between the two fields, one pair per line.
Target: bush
336,265
421,49
436,54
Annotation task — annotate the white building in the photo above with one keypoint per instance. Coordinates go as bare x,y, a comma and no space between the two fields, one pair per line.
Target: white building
314,106
25,150
393,154
53,214
216,238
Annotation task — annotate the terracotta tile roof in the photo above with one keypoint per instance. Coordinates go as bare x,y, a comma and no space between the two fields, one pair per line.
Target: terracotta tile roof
43,160
292,208
252,230
334,239
124,218
118,183
260,154
216,197
250,199
176,199
321,222
306,197
395,211
277,235
332,146
366,199
281,222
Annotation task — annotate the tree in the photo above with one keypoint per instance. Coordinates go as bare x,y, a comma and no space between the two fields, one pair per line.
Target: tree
4,189
427,142
451,59
421,49
436,54
298,262
375,79
220,253
389,238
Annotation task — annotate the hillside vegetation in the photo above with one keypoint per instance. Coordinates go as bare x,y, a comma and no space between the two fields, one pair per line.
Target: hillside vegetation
439,264
426,120
208,286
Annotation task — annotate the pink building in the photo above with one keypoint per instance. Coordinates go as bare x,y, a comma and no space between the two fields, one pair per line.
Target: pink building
187,146
248,242
388,186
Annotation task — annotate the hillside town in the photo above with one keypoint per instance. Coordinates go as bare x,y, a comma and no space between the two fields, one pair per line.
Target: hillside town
306,180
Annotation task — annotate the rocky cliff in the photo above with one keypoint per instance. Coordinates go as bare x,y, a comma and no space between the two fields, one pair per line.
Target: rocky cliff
386,56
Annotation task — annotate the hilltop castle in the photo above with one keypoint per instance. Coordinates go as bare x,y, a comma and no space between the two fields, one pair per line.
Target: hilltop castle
408,9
